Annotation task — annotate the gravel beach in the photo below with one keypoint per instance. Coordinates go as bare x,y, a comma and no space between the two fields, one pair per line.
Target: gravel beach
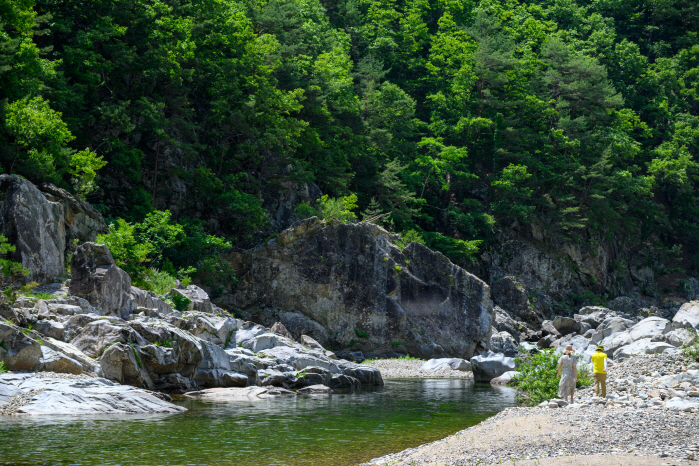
407,368
626,428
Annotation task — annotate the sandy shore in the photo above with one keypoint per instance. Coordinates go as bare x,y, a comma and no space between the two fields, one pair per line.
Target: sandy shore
410,368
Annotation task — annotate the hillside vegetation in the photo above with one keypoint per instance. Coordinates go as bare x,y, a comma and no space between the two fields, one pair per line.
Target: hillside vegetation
454,116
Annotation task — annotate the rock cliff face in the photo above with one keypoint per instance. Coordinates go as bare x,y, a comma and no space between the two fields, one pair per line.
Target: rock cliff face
43,225
365,292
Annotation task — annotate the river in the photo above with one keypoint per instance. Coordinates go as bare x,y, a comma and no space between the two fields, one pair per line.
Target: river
337,430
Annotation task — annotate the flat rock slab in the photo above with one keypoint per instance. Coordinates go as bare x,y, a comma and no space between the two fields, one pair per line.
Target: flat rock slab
239,393
55,396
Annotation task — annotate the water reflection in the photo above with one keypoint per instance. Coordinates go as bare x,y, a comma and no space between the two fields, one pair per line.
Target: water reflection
342,429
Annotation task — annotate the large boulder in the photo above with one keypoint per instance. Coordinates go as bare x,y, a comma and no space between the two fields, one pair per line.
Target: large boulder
354,281
82,221
199,298
50,328
566,325
446,364
609,327
96,278
688,315
650,327
35,226
122,363
18,351
505,323
53,361
75,397
148,302
96,336
642,346
490,365
503,342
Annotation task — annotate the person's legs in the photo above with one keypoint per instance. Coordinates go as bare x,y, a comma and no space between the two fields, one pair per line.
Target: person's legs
597,383
603,383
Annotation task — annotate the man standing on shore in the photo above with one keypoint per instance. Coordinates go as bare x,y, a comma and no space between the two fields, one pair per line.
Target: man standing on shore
599,371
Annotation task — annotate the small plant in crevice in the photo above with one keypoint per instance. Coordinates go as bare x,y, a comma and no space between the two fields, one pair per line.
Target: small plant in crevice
360,333
352,343
3,367
181,302
397,343
135,353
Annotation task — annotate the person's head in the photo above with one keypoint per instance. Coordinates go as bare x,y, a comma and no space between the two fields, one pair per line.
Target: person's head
569,350
600,348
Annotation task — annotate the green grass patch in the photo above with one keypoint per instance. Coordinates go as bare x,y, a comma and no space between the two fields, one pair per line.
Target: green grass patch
3,367
39,295
403,358
360,333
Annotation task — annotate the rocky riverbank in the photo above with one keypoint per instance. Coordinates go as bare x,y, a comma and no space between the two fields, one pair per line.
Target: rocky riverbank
411,368
649,417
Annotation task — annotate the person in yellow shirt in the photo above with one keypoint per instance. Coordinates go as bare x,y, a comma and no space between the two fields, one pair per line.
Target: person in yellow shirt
599,371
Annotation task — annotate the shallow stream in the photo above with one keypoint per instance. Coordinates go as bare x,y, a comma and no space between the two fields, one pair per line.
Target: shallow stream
336,430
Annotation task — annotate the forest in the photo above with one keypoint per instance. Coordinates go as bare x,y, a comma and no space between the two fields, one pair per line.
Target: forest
442,120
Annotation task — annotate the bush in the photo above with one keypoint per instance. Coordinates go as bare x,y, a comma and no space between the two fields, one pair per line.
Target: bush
691,352
157,281
360,333
181,302
538,379
340,208
305,210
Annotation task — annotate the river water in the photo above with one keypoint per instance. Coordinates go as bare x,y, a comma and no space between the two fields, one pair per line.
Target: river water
337,430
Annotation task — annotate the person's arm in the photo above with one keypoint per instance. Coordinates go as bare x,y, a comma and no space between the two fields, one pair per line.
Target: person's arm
560,362
605,365
575,371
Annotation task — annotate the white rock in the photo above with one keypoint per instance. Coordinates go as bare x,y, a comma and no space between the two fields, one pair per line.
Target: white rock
454,364
688,315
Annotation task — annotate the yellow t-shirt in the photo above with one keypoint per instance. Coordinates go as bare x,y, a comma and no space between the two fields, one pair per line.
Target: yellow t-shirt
598,362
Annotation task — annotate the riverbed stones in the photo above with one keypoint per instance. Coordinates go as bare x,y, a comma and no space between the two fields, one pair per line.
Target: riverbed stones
490,365
240,394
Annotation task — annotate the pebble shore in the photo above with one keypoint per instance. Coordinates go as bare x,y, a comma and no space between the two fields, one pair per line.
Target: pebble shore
410,368
632,422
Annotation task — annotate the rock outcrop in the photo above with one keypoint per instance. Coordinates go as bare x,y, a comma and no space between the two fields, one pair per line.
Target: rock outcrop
42,225
365,292
69,397
96,278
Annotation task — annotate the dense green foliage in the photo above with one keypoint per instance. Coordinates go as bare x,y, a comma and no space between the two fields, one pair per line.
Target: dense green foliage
538,379
157,251
451,115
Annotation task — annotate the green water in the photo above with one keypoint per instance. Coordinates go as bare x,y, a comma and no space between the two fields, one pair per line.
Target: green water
339,430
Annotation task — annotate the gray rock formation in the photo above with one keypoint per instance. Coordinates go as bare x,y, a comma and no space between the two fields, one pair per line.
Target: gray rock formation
511,295
52,396
566,325
42,225
490,365
96,278
365,291
503,342
121,362
18,351
446,364
688,315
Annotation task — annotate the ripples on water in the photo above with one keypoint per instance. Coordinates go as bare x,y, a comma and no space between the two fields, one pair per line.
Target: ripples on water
339,430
